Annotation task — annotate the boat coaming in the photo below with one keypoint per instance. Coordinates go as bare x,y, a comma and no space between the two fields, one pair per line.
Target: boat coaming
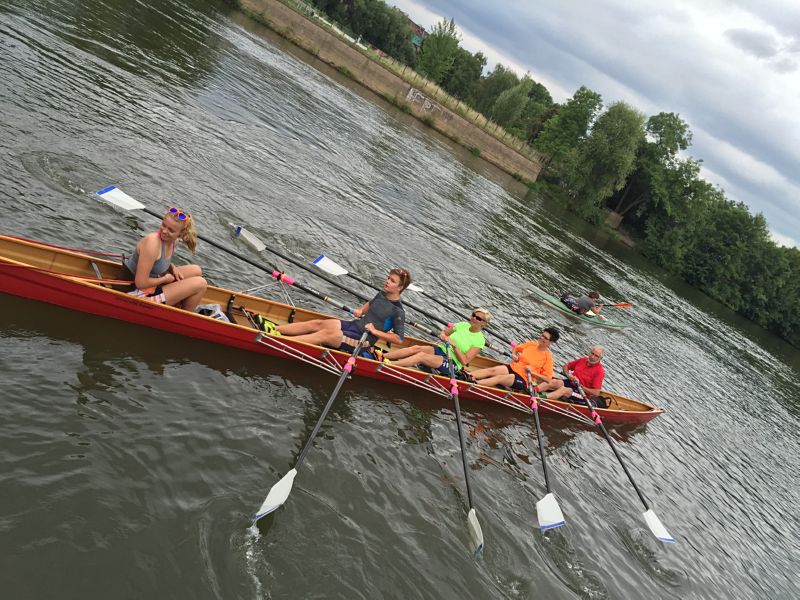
82,282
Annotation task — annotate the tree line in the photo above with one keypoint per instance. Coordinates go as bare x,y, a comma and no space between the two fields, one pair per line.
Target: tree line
611,158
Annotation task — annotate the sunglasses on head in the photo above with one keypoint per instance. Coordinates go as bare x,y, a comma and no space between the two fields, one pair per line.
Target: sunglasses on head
178,213
477,317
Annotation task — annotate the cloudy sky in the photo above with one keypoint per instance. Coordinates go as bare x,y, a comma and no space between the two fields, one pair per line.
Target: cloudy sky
730,68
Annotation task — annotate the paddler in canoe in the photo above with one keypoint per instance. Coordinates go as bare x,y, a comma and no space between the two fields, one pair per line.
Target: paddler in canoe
383,318
535,355
588,304
150,267
466,341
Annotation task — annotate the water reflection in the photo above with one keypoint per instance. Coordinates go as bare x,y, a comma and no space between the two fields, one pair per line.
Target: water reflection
108,29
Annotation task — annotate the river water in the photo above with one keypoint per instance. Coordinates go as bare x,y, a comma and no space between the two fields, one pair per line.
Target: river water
132,459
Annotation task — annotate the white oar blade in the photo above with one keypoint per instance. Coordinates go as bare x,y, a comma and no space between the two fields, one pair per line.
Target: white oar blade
329,266
277,495
249,238
113,195
654,523
475,531
415,288
549,513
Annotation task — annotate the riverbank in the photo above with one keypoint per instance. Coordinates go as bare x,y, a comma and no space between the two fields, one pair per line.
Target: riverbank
349,60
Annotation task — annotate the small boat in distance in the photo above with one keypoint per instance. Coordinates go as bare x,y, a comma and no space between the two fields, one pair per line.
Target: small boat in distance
81,281
599,320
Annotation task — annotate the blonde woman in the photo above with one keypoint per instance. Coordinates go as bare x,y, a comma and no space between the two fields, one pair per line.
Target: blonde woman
155,277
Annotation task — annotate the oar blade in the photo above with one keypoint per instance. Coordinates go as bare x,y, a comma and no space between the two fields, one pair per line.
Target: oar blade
277,495
549,513
415,288
475,531
329,266
113,195
249,238
658,529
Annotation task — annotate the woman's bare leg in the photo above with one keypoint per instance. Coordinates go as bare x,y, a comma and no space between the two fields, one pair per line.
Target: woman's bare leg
406,352
313,326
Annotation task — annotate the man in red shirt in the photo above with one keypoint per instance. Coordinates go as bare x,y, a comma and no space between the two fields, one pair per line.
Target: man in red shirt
586,371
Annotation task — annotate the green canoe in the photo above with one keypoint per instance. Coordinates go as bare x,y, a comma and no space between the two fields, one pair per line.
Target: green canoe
600,321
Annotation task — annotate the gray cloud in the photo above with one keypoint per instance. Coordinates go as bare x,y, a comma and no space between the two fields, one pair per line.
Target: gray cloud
785,65
651,56
756,43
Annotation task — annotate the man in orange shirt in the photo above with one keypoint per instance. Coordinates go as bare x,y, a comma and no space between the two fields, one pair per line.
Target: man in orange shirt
534,355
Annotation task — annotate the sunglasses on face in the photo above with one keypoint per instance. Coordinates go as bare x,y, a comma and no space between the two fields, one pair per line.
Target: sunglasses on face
178,213
477,317
544,337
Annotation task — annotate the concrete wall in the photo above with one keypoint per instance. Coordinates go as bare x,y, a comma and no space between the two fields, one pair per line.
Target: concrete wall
339,54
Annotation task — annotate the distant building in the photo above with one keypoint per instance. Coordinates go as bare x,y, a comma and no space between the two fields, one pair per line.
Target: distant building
419,33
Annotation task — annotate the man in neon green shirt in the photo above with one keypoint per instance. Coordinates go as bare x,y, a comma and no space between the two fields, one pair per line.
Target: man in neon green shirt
466,341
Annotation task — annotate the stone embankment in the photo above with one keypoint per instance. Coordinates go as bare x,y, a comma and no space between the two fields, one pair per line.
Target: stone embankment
349,60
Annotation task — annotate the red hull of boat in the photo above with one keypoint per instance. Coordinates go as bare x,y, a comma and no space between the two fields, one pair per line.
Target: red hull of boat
35,284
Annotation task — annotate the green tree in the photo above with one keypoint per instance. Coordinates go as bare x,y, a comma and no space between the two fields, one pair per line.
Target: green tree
536,111
490,87
562,133
657,158
604,160
464,75
508,106
382,26
439,51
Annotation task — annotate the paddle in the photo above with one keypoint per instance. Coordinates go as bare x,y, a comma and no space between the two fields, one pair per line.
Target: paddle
547,510
475,532
653,522
333,268
280,491
618,305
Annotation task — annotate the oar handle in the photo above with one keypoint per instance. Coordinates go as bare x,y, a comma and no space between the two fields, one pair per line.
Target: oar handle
286,279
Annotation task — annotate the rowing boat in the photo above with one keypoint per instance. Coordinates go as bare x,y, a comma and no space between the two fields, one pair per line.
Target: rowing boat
599,320
86,282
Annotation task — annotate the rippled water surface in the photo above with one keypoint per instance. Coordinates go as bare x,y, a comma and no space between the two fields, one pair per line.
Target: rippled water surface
132,458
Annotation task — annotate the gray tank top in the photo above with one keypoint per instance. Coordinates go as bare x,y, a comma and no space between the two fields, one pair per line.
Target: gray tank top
159,267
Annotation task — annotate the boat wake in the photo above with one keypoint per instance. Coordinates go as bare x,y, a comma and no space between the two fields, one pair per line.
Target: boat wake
254,558
570,567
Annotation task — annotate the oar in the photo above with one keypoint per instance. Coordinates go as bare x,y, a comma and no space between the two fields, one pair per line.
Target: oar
618,305
650,517
117,197
475,532
280,491
547,509
334,268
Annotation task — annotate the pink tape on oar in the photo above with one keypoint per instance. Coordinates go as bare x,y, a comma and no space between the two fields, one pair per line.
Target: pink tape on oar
283,277
453,387
513,345
349,364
